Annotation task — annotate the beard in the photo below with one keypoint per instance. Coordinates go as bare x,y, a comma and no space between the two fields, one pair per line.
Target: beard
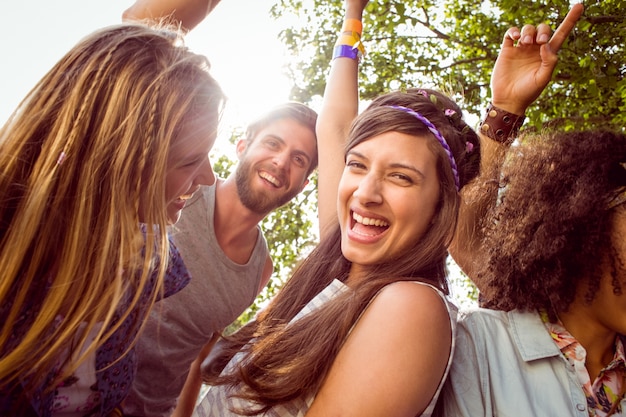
259,202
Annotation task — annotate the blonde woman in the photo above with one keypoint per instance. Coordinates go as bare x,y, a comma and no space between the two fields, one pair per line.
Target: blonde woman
95,162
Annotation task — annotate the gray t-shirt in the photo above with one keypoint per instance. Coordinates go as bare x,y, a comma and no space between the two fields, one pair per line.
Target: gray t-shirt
179,326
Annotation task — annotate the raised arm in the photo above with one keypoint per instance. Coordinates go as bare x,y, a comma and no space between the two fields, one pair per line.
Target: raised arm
189,13
522,71
339,108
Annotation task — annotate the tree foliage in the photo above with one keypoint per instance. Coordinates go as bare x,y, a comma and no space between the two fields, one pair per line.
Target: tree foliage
452,45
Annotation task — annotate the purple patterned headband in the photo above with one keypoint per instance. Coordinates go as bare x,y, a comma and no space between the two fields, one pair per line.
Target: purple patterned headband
439,137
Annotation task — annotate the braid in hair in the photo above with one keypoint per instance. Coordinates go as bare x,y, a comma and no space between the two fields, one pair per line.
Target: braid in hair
74,132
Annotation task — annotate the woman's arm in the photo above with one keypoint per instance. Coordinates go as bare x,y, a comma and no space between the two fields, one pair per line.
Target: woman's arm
191,390
394,358
339,108
522,71
189,13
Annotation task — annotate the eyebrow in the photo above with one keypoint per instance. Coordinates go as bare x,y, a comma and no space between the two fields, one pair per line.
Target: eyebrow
394,165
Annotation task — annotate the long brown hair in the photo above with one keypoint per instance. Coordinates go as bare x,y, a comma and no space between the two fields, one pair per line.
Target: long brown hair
288,360
82,149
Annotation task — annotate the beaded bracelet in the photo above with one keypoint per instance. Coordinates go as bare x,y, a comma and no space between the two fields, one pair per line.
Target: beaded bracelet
500,125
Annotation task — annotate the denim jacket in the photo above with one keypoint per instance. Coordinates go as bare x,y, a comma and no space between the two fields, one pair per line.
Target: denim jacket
507,364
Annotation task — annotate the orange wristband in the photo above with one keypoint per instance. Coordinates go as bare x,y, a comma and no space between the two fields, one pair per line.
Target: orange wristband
352,25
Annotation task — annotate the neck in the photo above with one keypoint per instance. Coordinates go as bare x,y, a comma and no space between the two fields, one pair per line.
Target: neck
231,208
598,340
356,274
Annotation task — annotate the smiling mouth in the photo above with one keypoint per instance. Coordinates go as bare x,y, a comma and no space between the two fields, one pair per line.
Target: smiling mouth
368,226
270,178
367,221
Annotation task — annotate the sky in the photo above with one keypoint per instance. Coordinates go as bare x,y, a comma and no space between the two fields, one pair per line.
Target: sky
238,37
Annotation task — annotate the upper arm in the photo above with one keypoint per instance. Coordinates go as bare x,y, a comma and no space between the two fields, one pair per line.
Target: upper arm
477,198
268,269
187,12
339,108
394,358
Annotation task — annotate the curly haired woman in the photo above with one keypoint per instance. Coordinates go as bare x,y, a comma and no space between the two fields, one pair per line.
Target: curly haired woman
552,341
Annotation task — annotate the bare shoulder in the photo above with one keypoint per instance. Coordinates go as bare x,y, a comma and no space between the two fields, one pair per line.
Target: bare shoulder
412,306
411,295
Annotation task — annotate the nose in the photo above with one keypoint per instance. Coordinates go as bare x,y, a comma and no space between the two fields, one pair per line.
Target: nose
205,175
368,190
281,159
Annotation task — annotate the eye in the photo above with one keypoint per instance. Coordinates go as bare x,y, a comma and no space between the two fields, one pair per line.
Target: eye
299,160
354,164
271,143
193,163
402,178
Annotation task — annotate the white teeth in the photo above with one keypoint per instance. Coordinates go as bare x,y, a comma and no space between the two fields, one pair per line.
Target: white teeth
369,221
270,178
186,196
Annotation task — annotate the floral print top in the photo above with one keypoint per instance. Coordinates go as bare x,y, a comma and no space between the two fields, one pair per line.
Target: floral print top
607,390
115,361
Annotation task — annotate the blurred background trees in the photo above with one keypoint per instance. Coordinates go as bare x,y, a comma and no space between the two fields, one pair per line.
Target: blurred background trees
452,45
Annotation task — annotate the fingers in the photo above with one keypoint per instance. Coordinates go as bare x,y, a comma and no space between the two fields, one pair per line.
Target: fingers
528,35
564,29
543,34
511,36
535,35
540,35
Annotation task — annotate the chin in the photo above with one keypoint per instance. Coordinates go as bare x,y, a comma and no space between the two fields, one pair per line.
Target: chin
356,257
172,218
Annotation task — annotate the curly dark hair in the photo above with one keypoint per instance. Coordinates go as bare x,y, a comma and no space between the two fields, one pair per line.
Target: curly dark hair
552,228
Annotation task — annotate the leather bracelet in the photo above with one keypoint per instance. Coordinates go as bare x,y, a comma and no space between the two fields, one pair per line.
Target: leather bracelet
500,125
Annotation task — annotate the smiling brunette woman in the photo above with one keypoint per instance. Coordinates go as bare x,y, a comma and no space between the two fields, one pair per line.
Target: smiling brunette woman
373,291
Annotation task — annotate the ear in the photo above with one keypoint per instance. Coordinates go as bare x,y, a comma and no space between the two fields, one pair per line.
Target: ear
242,145
304,184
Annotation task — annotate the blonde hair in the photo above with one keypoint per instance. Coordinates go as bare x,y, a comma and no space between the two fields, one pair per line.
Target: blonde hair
87,144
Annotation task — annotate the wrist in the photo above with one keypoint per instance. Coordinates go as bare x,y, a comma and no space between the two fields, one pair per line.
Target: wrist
352,25
501,125
348,44
510,107
353,11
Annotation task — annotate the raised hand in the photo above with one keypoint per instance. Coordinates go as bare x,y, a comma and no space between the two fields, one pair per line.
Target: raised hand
526,62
